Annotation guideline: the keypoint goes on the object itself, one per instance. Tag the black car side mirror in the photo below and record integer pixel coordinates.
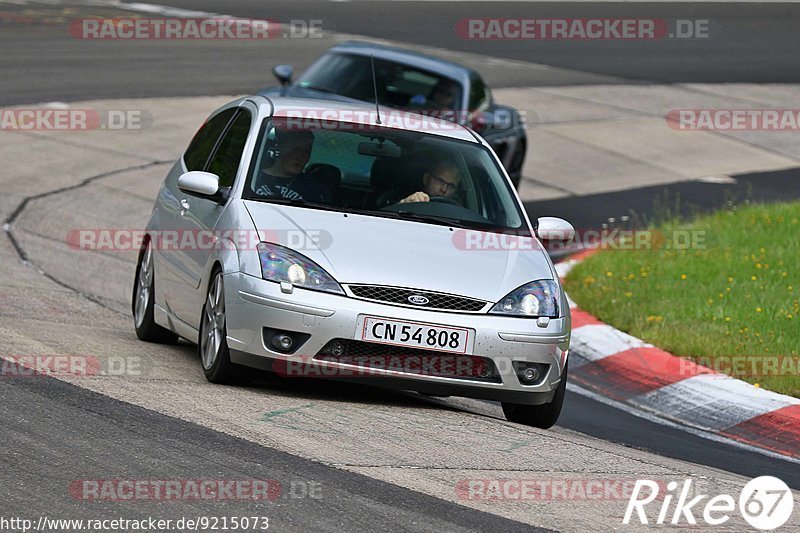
(283, 73)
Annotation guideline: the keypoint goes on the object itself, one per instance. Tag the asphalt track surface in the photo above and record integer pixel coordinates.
(48, 421)
(747, 43)
(53, 431)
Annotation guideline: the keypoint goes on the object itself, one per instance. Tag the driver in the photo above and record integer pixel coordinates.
(285, 177)
(441, 179)
(444, 93)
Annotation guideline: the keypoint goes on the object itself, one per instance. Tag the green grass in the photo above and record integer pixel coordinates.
(734, 294)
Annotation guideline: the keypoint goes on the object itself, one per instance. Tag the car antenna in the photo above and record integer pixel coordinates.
(375, 89)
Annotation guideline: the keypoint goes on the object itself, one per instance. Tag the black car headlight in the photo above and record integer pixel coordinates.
(535, 299)
(282, 264)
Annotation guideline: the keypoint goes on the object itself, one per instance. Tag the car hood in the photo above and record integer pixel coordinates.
(372, 250)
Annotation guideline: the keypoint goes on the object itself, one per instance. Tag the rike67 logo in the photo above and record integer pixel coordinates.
(766, 503)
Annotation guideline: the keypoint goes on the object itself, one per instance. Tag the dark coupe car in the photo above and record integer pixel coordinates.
(411, 81)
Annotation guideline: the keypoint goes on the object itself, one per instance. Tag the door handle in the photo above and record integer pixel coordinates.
(184, 206)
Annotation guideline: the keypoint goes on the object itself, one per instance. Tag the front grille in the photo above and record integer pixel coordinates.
(371, 355)
(399, 296)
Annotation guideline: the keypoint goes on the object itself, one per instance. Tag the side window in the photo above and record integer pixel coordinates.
(204, 140)
(478, 94)
(225, 161)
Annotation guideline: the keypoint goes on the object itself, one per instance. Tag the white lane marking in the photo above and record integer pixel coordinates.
(720, 179)
(712, 401)
(572, 387)
(598, 341)
(165, 10)
(563, 268)
(571, 302)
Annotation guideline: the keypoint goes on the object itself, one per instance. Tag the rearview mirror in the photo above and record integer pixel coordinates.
(554, 229)
(379, 149)
(283, 73)
(199, 183)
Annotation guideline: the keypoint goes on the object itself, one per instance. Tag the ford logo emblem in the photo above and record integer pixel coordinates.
(417, 299)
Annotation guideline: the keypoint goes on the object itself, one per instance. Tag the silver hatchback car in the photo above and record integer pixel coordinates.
(312, 238)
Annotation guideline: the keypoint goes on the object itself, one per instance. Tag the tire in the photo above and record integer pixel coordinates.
(517, 162)
(211, 344)
(540, 416)
(143, 302)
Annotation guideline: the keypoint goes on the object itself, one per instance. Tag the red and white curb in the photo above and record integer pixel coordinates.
(633, 373)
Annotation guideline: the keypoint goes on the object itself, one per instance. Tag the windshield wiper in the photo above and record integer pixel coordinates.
(292, 201)
(446, 221)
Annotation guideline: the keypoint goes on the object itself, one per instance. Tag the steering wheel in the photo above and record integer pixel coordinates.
(444, 200)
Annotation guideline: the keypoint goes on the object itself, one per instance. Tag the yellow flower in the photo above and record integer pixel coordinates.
(609, 274)
(727, 319)
(753, 278)
(655, 318)
(789, 316)
(758, 309)
(730, 279)
(756, 385)
(683, 276)
(758, 265)
(710, 301)
(727, 289)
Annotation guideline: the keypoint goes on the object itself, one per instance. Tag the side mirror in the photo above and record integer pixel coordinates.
(283, 73)
(554, 229)
(199, 183)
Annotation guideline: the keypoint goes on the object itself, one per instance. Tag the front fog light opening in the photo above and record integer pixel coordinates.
(334, 348)
(530, 373)
(284, 342)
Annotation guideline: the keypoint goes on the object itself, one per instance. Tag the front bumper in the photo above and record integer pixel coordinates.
(253, 303)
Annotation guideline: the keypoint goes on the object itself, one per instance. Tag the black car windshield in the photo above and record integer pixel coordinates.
(382, 171)
(398, 85)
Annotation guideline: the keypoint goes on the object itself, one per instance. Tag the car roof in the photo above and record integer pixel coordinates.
(406, 57)
(362, 113)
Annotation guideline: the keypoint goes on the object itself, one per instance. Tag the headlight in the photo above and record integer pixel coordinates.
(282, 264)
(534, 299)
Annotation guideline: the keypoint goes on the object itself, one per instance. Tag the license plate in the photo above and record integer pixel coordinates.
(416, 335)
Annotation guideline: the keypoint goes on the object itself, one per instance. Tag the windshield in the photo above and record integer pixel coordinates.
(382, 172)
(398, 85)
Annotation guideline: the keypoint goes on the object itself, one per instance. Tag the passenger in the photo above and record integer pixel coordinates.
(285, 178)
